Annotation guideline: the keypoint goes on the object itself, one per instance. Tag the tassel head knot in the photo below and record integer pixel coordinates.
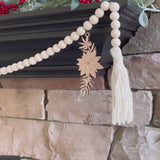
(117, 55)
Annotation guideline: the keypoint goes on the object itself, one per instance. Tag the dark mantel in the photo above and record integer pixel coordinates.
(24, 34)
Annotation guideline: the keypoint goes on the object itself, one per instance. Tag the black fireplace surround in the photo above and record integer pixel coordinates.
(24, 34)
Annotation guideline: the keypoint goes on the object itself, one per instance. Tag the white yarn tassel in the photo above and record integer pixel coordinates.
(122, 101)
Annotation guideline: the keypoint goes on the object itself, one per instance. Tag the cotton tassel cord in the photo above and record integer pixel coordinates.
(122, 101)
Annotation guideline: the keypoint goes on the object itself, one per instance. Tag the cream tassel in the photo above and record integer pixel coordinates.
(122, 101)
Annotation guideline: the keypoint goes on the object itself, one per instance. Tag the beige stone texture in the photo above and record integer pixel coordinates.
(54, 141)
(68, 106)
(22, 103)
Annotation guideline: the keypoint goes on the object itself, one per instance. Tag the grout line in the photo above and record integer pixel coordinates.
(144, 53)
(45, 103)
(154, 94)
(113, 142)
(54, 121)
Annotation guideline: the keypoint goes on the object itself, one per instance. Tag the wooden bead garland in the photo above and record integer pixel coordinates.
(105, 5)
(68, 40)
(87, 25)
(61, 44)
(93, 19)
(80, 31)
(122, 105)
(74, 36)
(99, 13)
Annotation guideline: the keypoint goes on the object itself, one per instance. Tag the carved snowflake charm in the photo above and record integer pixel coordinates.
(88, 65)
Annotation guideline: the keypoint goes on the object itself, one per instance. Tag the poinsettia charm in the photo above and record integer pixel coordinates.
(88, 64)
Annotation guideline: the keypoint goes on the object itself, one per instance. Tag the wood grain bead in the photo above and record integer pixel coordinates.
(61, 44)
(114, 7)
(14, 67)
(115, 24)
(68, 40)
(99, 13)
(114, 16)
(26, 63)
(87, 25)
(3, 71)
(38, 57)
(93, 19)
(50, 51)
(105, 5)
(44, 55)
(115, 33)
(55, 48)
(80, 31)
(9, 69)
(74, 36)
(20, 65)
(32, 61)
(115, 42)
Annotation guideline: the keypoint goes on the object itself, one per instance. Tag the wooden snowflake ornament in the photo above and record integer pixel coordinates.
(88, 64)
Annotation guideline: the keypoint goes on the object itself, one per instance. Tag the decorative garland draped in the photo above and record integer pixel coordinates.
(122, 105)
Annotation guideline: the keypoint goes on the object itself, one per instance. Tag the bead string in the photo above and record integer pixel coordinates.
(74, 36)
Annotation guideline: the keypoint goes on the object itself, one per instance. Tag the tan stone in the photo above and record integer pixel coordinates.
(136, 144)
(147, 39)
(22, 103)
(144, 71)
(49, 83)
(67, 106)
(54, 141)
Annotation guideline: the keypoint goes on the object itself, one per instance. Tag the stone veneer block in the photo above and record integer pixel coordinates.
(22, 103)
(136, 144)
(49, 83)
(54, 141)
(147, 39)
(67, 106)
(144, 71)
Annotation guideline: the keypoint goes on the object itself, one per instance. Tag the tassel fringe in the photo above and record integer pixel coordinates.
(122, 101)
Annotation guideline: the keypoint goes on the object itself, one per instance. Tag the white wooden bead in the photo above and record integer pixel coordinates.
(105, 5)
(114, 7)
(55, 48)
(93, 19)
(114, 16)
(68, 40)
(61, 44)
(38, 57)
(99, 13)
(9, 69)
(115, 33)
(87, 25)
(115, 24)
(50, 51)
(80, 31)
(20, 65)
(44, 55)
(26, 63)
(3, 70)
(32, 61)
(74, 36)
(14, 67)
(115, 42)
